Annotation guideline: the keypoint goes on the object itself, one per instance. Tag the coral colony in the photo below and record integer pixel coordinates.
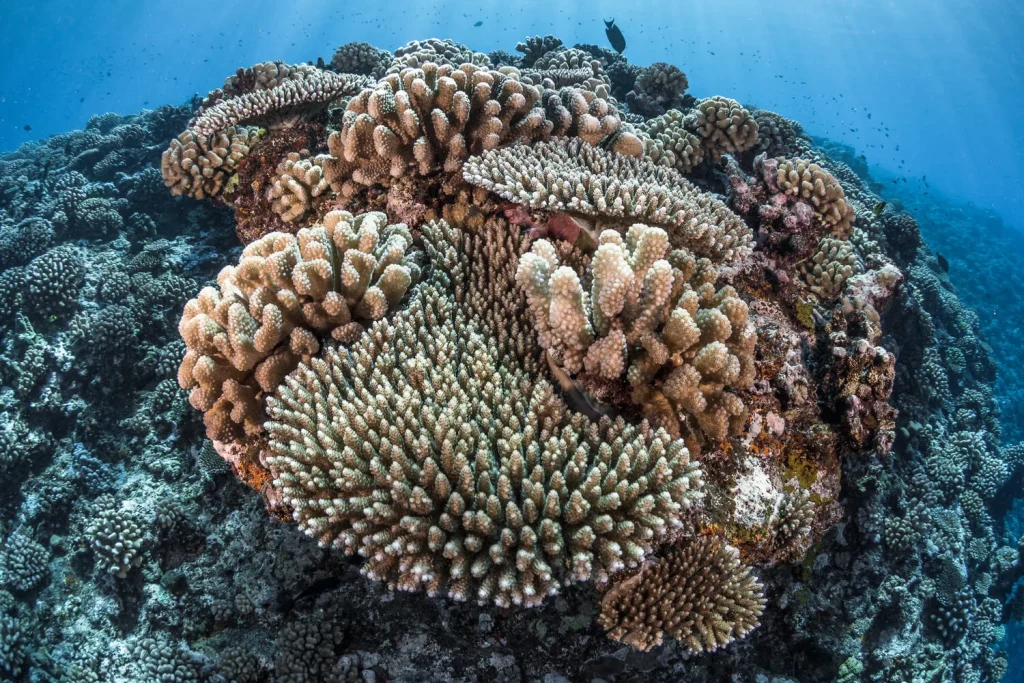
(537, 336)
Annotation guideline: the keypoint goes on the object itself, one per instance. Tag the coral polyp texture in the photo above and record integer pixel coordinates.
(244, 337)
(698, 593)
(278, 101)
(460, 475)
(536, 331)
(653, 317)
(432, 118)
(574, 177)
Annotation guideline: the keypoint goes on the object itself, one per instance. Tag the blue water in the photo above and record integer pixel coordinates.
(924, 89)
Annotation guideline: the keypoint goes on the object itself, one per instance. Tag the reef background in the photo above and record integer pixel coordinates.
(985, 275)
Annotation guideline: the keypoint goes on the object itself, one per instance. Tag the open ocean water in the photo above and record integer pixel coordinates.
(573, 342)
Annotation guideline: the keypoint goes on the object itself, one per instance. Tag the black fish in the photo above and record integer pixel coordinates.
(614, 36)
(478, 24)
(28, 127)
(943, 263)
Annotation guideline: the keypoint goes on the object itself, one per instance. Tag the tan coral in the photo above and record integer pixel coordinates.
(832, 264)
(304, 92)
(574, 177)
(431, 453)
(271, 309)
(200, 166)
(808, 181)
(652, 316)
(668, 143)
(697, 593)
(298, 181)
(431, 119)
(725, 126)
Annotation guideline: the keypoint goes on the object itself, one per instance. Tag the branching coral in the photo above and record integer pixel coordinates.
(305, 91)
(451, 471)
(270, 308)
(533, 48)
(197, 165)
(649, 315)
(810, 182)
(116, 537)
(657, 89)
(575, 177)
(725, 126)
(297, 183)
(668, 143)
(361, 58)
(417, 53)
(832, 264)
(697, 593)
(433, 118)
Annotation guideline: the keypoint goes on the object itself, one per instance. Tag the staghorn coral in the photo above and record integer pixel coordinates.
(667, 142)
(361, 58)
(647, 311)
(285, 290)
(830, 266)
(303, 93)
(697, 593)
(724, 125)
(574, 177)
(200, 166)
(460, 475)
(811, 183)
(434, 117)
(296, 184)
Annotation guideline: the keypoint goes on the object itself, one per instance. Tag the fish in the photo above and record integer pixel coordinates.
(28, 127)
(943, 263)
(614, 36)
(878, 208)
(478, 24)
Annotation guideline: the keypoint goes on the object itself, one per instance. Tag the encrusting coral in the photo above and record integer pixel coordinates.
(698, 592)
(285, 290)
(574, 177)
(460, 475)
(647, 309)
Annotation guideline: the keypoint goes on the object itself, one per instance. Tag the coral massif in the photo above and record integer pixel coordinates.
(538, 336)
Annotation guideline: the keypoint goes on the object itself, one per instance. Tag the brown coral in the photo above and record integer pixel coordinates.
(271, 309)
(697, 593)
(200, 166)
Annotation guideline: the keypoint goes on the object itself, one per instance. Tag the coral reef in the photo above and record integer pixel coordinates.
(511, 344)
(698, 593)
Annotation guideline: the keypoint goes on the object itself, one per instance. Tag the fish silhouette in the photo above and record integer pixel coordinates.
(614, 36)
